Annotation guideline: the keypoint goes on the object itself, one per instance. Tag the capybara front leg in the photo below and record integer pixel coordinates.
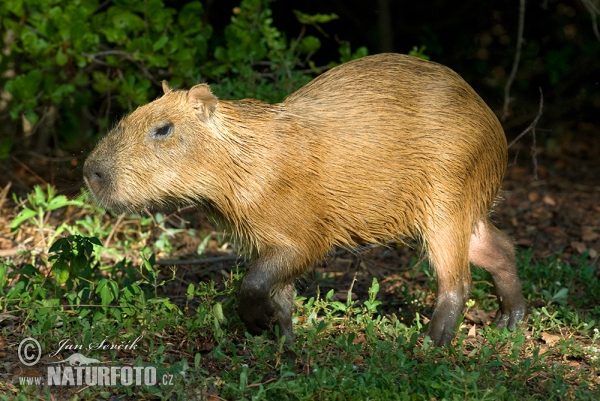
(264, 301)
(494, 251)
(283, 301)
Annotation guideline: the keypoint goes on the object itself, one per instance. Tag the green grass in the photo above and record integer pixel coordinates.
(341, 351)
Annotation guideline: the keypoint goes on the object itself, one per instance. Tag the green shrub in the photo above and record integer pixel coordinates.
(71, 67)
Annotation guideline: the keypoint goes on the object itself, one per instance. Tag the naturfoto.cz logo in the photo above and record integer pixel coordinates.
(78, 370)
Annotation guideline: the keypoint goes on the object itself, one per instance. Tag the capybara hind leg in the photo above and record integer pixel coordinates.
(448, 255)
(494, 251)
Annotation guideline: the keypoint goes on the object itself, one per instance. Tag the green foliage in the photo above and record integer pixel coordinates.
(72, 255)
(85, 60)
(40, 205)
(341, 350)
(419, 52)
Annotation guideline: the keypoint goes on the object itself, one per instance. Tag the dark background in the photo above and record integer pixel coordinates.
(477, 39)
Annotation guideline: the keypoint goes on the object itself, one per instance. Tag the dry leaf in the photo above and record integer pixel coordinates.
(549, 201)
(533, 196)
(550, 339)
(360, 339)
(472, 331)
(580, 246)
(589, 235)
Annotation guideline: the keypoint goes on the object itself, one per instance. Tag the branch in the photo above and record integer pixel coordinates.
(533, 123)
(515, 65)
(95, 57)
(594, 11)
(531, 128)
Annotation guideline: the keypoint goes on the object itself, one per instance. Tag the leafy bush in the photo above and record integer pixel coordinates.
(72, 66)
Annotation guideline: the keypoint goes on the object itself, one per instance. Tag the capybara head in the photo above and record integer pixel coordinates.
(383, 148)
(142, 161)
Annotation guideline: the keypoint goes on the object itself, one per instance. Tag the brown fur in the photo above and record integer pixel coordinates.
(383, 148)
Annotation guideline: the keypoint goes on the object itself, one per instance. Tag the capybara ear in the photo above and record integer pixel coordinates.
(165, 87)
(202, 100)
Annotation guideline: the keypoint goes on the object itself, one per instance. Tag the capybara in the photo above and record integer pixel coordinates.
(384, 148)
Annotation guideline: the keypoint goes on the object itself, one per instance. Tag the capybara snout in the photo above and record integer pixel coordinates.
(383, 148)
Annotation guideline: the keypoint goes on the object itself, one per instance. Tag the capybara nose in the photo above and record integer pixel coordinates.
(96, 174)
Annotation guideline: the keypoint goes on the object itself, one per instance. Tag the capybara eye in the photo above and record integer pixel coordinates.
(163, 131)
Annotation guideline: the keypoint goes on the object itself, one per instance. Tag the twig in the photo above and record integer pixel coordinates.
(263, 383)
(48, 158)
(26, 167)
(531, 128)
(594, 11)
(4, 193)
(112, 232)
(9, 253)
(127, 56)
(515, 65)
(533, 123)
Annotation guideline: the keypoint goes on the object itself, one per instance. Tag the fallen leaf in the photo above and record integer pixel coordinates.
(360, 339)
(206, 346)
(580, 246)
(550, 339)
(524, 242)
(588, 234)
(533, 196)
(472, 331)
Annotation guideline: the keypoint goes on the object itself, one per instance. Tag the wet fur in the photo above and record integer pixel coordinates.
(383, 148)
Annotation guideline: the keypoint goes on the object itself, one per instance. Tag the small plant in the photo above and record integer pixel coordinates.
(40, 205)
(419, 52)
(72, 254)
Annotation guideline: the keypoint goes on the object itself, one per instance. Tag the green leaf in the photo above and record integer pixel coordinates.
(3, 273)
(190, 292)
(57, 203)
(190, 15)
(58, 244)
(39, 196)
(309, 44)
(160, 43)
(419, 52)
(6, 145)
(80, 262)
(61, 57)
(23, 215)
(218, 311)
(61, 271)
(107, 289)
(95, 241)
(308, 19)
